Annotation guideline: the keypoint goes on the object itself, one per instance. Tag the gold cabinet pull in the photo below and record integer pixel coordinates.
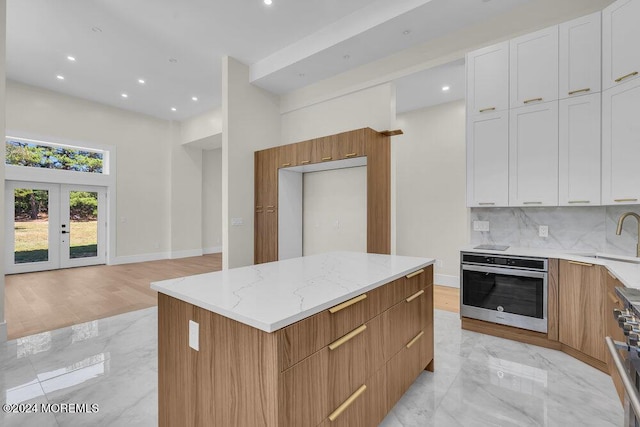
(415, 273)
(619, 79)
(531, 203)
(270, 210)
(613, 298)
(585, 264)
(270, 206)
(351, 155)
(357, 331)
(579, 201)
(416, 338)
(573, 92)
(486, 203)
(258, 207)
(346, 304)
(304, 162)
(625, 200)
(284, 165)
(324, 159)
(487, 109)
(414, 296)
(532, 100)
(335, 414)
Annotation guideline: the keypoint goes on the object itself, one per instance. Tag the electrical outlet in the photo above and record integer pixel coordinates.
(480, 225)
(543, 231)
(194, 335)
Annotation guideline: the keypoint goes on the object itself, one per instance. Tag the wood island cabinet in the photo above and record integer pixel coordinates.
(266, 206)
(344, 366)
(582, 308)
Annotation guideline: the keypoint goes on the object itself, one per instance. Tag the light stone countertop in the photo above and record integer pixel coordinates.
(627, 272)
(274, 295)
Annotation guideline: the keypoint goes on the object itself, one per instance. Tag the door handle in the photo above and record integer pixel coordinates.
(64, 232)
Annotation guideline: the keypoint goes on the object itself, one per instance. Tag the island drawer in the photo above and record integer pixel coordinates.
(409, 284)
(404, 320)
(322, 381)
(365, 407)
(408, 364)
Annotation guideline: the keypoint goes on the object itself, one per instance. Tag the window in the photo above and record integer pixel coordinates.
(37, 154)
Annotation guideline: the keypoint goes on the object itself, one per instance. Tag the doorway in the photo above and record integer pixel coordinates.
(51, 226)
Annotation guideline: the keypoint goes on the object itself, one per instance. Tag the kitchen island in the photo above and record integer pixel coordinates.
(331, 339)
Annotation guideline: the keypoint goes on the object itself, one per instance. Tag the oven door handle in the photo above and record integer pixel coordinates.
(505, 271)
(629, 388)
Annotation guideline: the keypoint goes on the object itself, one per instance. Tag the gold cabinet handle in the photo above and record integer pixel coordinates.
(579, 201)
(487, 109)
(531, 203)
(270, 206)
(346, 304)
(585, 264)
(415, 273)
(619, 79)
(258, 207)
(532, 100)
(573, 92)
(324, 159)
(414, 296)
(613, 298)
(357, 331)
(413, 341)
(486, 203)
(304, 162)
(335, 414)
(270, 210)
(284, 165)
(625, 200)
(351, 155)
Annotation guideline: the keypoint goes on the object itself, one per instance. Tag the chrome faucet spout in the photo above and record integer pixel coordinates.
(619, 229)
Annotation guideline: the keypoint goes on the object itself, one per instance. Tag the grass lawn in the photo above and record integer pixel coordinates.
(32, 240)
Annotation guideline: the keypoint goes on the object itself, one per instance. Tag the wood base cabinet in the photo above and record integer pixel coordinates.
(345, 366)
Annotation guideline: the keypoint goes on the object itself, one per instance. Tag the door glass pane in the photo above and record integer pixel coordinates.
(83, 224)
(31, 225)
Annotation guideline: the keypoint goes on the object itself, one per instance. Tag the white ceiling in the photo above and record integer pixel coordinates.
(280, 42)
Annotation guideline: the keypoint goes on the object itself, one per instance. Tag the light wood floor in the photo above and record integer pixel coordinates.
(47, 300)
(39, 302)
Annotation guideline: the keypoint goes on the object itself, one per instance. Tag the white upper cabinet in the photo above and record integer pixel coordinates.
(621, 144)
(488, 79)
(620, 42)
(533, 155)
(579, 153)
(580, 56)
(534, 68)
(488, 159)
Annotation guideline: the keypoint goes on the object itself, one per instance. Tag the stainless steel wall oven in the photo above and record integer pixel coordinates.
(509, 290)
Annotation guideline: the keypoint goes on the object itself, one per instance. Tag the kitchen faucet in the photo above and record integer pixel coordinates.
(619, 229)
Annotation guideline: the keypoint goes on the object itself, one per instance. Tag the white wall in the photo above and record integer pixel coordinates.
(335, 211)
(143, 150)
(212, 201)
(201, 126)
(3, 32)
(432, 218)
(251, 122)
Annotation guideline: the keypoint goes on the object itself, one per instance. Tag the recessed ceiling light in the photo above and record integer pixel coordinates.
(406, 32)
(59, 77)
(96, 29)
(71, 58)
(173, 60)
(445, 88)
(174, 109)
(141, 81)
(268, 2)
(194, 98)
(124, 95)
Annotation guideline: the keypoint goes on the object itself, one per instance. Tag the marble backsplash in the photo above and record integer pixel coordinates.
(580, 229)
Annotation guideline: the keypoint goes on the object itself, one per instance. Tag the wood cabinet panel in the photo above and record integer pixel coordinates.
(612, 301)
(352, 145)
(581, 309)
(406, 319)
(378, 194)
(326, 148)
(305, 153)
(266, 206)
(406, 286)
(287, 156)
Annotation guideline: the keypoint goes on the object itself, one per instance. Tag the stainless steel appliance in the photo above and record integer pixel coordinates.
(509, 290)
(626, 355)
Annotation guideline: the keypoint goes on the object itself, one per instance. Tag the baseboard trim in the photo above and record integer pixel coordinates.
(3, 332)
(446, 280)
(130, 259)
(186, 254)
(212, 250)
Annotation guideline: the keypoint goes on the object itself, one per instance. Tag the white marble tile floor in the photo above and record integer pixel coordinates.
(479, 380)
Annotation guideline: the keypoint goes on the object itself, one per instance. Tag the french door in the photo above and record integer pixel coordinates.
(52, 226)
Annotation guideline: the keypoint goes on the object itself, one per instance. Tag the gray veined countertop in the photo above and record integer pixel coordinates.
(274, 295)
